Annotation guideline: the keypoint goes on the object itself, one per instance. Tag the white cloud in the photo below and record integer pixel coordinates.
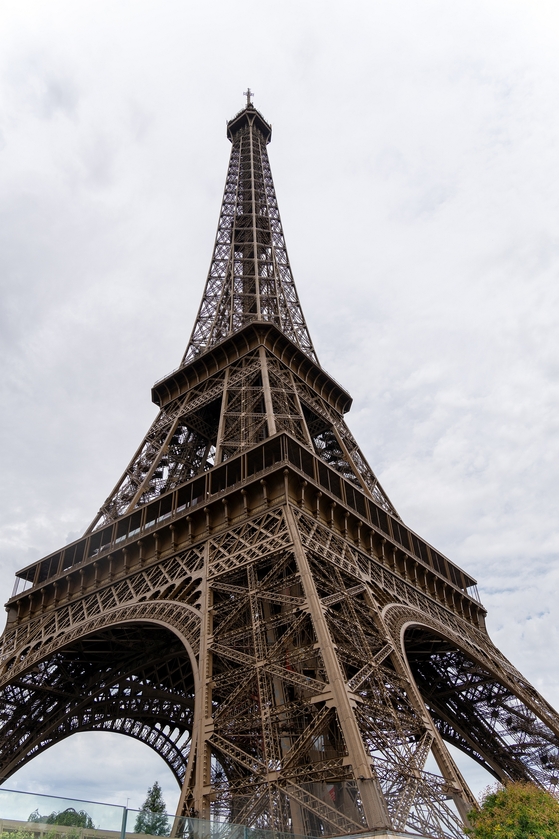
(94, 766)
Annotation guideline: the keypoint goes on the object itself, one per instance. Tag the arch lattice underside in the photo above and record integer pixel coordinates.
(480, 704)
(134, 679)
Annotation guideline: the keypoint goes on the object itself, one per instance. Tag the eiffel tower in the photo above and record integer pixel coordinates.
(249, 603)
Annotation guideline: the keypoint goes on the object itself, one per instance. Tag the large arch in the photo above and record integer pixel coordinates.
(133, 672)
(476, 699)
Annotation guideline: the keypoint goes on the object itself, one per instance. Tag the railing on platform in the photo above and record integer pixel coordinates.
(27, 815)
(278, 451)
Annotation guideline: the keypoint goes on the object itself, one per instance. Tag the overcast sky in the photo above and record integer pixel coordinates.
(415, 159)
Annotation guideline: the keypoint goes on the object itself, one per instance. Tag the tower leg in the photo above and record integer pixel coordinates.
(372, 798)
(201, 774)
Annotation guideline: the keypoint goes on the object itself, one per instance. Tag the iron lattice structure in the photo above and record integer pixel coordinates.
(249, 603)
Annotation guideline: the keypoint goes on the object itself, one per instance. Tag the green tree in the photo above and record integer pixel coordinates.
(152, 818)
(517, 811)
(68, 817)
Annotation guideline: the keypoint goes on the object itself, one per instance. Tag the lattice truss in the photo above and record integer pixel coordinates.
(290, 610)
(227, 415)
(247, 419)
(335, 444)
(279, 755)
(179, 445)
(480, 716)
(128, 679)
(269, 678)
(88, 667)
(250, 277)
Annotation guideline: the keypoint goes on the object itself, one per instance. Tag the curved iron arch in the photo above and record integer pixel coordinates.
(134, 677)
(477, 705)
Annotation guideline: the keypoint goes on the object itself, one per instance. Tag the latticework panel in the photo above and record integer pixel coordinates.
(310, 719)
(180, 444)
(250, 277)
(333, 441)
(286, 406)
(396, 733)
(244, 420)
(128, 679)
(483, 717)
(275, 713)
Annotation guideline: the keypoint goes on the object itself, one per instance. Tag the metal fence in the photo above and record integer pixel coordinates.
(28, 815)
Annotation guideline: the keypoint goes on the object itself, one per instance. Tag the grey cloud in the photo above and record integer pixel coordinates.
(41, 87)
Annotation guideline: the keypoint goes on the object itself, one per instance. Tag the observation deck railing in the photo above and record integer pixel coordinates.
(27, 815)
(279, 450)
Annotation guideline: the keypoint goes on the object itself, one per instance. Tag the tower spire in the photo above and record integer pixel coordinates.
(251, 344)
(250, 276)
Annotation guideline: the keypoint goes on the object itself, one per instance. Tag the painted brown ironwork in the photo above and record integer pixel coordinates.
(248, 602)
(250, 277)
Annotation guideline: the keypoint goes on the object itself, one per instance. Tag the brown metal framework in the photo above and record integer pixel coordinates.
(248, 602)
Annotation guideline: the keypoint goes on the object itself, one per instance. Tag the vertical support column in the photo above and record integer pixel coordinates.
(222, 415)
(187, 803)
(196, 789)
(254, 235)
(270, 417)
(306, 431)
(123, 823)
(372, 798)
(202, 790)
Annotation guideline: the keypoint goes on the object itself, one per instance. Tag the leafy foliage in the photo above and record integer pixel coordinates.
(16, 834)
(151, 818)
(68, 817)
(517, 811)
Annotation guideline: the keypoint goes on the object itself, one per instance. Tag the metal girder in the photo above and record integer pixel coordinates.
(481, 716)
(250, 277)
(306, 687)
(120, 679)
